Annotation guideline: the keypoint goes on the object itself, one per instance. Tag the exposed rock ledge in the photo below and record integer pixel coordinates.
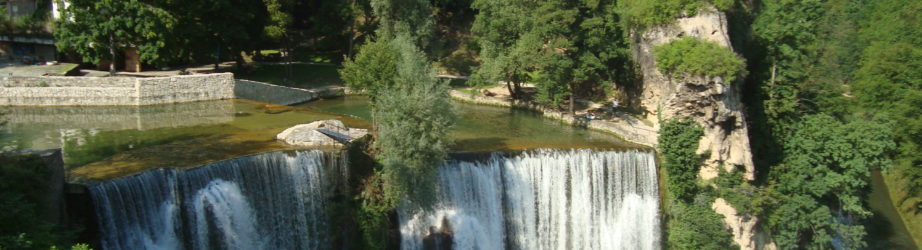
(321, 133)
(742, 224)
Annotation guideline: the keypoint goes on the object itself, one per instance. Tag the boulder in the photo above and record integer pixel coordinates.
(321, 133)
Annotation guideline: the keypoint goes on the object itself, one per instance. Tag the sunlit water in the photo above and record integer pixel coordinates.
(489, 128)
(269, 201)
(544, 199)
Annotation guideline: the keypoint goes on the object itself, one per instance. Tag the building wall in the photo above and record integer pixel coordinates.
(93, 91)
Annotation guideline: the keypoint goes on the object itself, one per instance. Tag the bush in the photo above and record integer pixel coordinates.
(696, 226)
(678, 142)
(692, 57)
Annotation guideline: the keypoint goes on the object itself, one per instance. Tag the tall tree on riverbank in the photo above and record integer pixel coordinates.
(99, 30)
(410, 18)
(277, 29)
(414, 117)
(563, 47)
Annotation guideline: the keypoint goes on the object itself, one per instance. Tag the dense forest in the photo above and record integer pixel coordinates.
(832, 88)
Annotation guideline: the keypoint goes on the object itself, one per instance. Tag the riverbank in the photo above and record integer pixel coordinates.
(896, 189)
(622, 125)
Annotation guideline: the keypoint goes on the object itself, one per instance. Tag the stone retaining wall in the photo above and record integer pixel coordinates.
(281, 95)
(93, 91)
(626, 127)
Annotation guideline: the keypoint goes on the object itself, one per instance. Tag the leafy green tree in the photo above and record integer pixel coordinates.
(411, 18)
(890, 79)
(696, 226)
(278, 27)
(414, 117)
(823, 180)
(373, 70)
(101, 29)
(563, 47)
(693, 57)
(678, 142)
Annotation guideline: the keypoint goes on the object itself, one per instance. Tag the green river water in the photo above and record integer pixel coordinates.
(108, 142)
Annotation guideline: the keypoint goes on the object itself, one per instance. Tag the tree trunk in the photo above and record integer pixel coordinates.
(112, 54)
(287, 59)
(572, 99)
(511, 91)
(352, 33)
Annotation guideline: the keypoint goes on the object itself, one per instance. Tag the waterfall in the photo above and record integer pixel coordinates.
(268, 201)
(544, 199)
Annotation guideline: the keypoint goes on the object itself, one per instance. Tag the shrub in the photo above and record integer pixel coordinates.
(690, 57)
(678, 142)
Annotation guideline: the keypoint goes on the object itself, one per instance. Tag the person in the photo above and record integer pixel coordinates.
(615, 103)
(590, 116)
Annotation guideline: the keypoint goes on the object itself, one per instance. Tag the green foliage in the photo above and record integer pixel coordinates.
(678, 142)
(279, 18)
(696, 226)
(824, 178)
(97, 29)
(413, 117)
(373, 70)
(692, 57)
(29, 25)
(23, 186)
(890, 79)
(648, 13)
(411, 18)
(743, 196)
(563, 47)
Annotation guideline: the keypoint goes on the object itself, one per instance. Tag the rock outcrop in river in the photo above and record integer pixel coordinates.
(321, 133)
(711, 102)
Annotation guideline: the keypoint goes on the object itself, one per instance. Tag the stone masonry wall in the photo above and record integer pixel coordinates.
(102, 91)
(281, 95)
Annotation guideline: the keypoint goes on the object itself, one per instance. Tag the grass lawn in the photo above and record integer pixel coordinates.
(303, 76)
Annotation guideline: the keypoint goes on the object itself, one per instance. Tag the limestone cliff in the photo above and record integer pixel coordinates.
(711, 102)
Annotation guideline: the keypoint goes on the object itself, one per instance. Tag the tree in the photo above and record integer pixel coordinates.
(279, 21)
(414, 117)
(696, 226)
(823, 180)
(500, 27)
(99, 29)
(890, 79)
(410, 18)
(373, 70)
(578, 46)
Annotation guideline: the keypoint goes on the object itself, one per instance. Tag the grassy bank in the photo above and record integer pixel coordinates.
(896, 187)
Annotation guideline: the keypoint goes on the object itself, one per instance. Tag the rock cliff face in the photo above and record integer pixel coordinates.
(711, 102)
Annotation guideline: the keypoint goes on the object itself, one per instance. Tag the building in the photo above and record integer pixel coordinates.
(32, 42)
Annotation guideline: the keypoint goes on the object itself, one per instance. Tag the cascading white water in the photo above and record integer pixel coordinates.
(268, 201)
(545, 199)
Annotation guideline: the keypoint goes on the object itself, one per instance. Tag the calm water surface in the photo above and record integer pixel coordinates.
(105, 142)
(489, 128)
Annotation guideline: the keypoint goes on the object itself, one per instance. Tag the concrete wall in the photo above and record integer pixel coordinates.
(92, 91)
(281, 95)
